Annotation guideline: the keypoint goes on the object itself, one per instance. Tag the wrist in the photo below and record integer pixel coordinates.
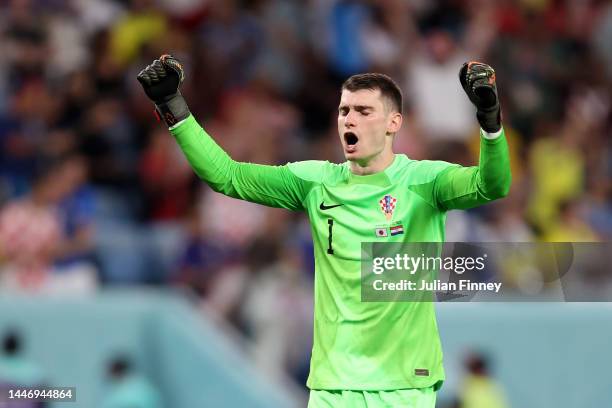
(490, 119)
(172, 109)
(491, 136)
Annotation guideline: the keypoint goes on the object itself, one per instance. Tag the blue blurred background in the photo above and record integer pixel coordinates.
(119, 270)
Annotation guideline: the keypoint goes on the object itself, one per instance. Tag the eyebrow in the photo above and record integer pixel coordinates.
(356, 107)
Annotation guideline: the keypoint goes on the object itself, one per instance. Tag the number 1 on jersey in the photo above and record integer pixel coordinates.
(330, 224)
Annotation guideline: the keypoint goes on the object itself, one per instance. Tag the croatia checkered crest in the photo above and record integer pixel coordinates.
(387, 206)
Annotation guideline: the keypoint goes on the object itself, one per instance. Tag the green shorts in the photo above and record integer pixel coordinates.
(407, 398)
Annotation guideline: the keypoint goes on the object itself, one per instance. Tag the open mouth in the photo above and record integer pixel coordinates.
(350, 138)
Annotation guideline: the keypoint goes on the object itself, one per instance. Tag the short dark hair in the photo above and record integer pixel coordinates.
(373, 80)
(11, 343)
(119, 366)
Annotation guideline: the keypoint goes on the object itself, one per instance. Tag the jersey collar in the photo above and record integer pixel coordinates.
(382, 178)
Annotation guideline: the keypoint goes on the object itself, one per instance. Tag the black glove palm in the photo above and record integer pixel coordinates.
(478, 82)
(161, 81)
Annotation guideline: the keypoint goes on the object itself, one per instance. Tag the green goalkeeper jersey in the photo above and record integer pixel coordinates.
(360, 345)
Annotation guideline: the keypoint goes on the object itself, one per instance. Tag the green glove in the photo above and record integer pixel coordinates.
(161, 81)
(478, 82)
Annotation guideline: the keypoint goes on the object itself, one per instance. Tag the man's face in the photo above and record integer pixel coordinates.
(365, 124)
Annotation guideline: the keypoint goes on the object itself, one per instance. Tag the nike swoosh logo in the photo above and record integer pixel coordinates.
(327, 207)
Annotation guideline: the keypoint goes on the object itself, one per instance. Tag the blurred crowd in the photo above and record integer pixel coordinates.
(95, 192)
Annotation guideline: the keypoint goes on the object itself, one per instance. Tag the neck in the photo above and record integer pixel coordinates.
(374, 165)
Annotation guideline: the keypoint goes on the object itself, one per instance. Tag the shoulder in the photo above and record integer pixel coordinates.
(420, 171)
(317, 171)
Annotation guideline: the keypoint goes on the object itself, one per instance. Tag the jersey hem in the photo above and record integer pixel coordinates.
(387, 386)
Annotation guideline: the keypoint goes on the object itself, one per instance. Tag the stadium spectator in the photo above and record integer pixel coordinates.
(479, 389)
(128, 388)
(277, 309)
(16, 370)
(33, 238)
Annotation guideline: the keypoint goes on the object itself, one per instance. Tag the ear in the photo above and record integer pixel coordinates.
(395, 122)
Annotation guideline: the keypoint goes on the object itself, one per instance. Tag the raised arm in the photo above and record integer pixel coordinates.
(459, 187)
(274, 186)
(464, 187)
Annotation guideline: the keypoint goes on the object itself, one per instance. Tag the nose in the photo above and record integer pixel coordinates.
(349, 120)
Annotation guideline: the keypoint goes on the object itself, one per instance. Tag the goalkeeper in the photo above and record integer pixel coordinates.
(365, 354)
